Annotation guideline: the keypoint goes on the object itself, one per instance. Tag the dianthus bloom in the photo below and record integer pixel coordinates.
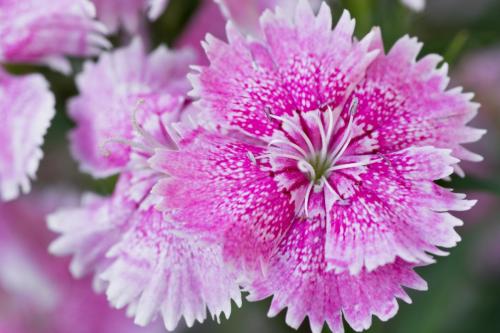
(322, 175)
(139, 257)
(37, 294)
(35, 31)
(116, 13)
(26, 109)
(109, 92)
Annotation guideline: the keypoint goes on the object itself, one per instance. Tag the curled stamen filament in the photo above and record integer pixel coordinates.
(124, 142)
(306, 167)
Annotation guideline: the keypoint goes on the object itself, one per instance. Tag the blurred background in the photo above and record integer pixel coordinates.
(464, 288)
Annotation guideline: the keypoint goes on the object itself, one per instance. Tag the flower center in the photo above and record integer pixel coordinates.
(314, 143)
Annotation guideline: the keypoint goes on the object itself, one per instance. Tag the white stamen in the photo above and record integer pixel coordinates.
(352, 165)
(124, 142)
(274, 154)
(322, 134)
(288, 143)
(150, 139)
(330, 188)
(306, 198)
(332, 121)
(298, 129)
(346, 139)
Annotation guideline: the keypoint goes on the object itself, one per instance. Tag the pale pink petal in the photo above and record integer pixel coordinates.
(298, 278)
(217, 190)
(405, 215)
(26, 109)
(37, 292)
(129, 13)
(90, 230)
(158, 271)
(36, 31)
(111, 93)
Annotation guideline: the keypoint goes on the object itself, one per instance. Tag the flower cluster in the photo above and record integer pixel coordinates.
(299, 163)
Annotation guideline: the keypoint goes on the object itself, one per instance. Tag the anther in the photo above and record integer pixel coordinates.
(353, 108)
(251, 157)
(268, 112)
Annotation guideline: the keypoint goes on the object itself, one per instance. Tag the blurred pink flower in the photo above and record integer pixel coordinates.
(116, 13)
(212, 15)
(480, 71)
(37, 294)
(245, 14)
(26, 109)
(139, 257)
(109, 94)
(416, 5)
(324, 167)
(35, 31)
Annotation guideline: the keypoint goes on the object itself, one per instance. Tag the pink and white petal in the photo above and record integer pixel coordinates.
(393, 210)
(305, 68)
(88, 232)
(163, 272)
(404, 102)
(216, 189)
(110, 93)
(44, 32)
(115, 13)
(27, 108)
(298, 278)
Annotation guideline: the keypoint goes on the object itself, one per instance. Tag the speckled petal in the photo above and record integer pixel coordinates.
(301, 65)
(160, 271)
(393, 209)
(36, 31)
(298, 278)
(404, 102)
(217, 190)
(111, 90)
(26, 109)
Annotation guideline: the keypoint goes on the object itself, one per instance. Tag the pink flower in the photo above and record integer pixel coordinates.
(115, 13)
(326, 136)
(109, 92)
(139, 257)
(37, 294)
(245, 14)
(27, 107)
(415, 5)
(34, 31)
